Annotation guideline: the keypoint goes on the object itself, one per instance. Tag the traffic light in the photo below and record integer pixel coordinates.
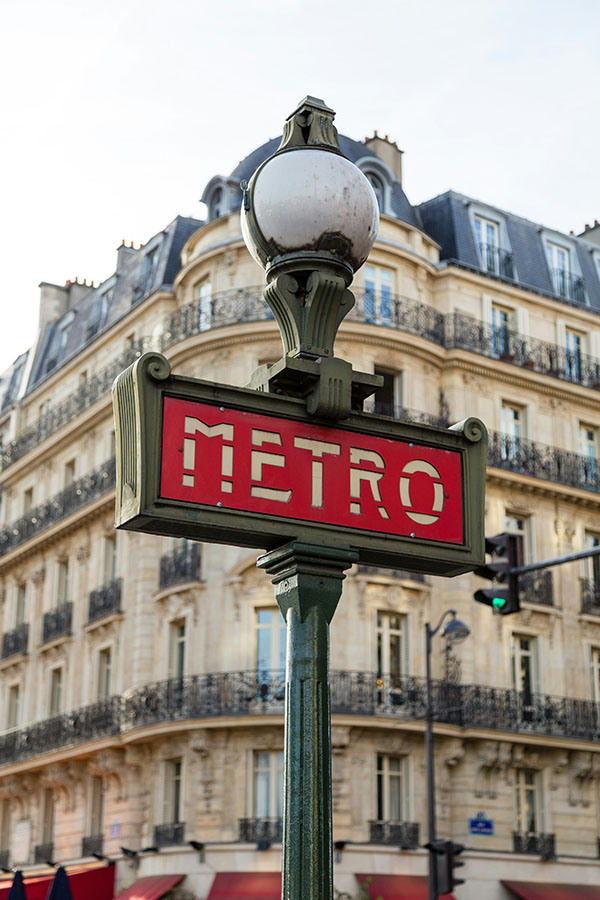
(505, 552)
(444, 855)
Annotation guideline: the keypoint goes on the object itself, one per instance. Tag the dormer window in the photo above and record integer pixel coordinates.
(565, 281)
(216, 205)
(377, 185)
(493, 257)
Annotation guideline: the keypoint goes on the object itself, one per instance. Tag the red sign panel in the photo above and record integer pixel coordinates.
(264, 464)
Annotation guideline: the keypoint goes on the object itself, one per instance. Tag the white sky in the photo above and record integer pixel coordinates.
(116, 114)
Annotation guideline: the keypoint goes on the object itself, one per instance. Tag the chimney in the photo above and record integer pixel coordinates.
(591, 233)
(123, 254)
(388, 152)
(56, 300)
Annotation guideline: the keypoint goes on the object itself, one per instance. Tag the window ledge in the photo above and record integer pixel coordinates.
(103, 620)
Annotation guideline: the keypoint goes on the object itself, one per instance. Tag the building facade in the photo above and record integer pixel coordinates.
(141, 678)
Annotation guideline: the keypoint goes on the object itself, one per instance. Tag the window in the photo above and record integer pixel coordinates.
(486, 236)
(4, 824)
(203, 303)
(573, 348)
(270, 642)
(588, 449)
(64, 335)
(96, 805)
(378, 294)
(48, 816)
(527, 802)
(267, 799)
(520, 525)
(511, 427)
(62, 594)
(150, 264)
(391, 788)
(391, 639)
(104, 673)
(177, 649)
(559, 264)
(216, 204)
(172, 793)
(500, 324)
(592, 563)
(56, 689)
(524, 666)
(69, 473)
(595, 673)
(110, 558)
(377, 185)
(27, 501)
(13, 706)
(20, 604)
(388, 399)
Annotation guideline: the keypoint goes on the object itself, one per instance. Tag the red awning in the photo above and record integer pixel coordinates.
(399, 887)
(536, 890)
(246, 886)
(87, 884)
(152, 887)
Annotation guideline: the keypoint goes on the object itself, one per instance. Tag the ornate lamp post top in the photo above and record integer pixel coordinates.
(310, 218)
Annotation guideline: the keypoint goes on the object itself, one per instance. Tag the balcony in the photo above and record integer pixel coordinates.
(542, 461)
(253, 830)
(590, 596)
(169, 834)
(568, 285)
(43, 852)
(15, 641)
(57, 622)
(77, 495)
(536, 844)
(252, 693)
(536, 587)
(396, 834)
(180, 567)
(105, 600)
(496, 260)
(91, 843)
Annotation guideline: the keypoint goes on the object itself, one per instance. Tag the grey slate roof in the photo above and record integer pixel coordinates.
(446, 219)
(353, 150)
(134, 280)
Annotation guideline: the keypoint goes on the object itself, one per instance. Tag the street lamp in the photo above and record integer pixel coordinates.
(310, 217)
(454, 631)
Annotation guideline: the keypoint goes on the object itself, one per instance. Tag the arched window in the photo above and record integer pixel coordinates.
(215, 207)
(377, 185)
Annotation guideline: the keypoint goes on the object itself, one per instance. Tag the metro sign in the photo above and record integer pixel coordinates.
(231, 465)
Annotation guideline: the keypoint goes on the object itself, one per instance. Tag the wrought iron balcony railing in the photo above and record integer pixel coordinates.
(180, 566)
(15, 641)
(536, 587)
(105, 600)
(92, 843)
(397, 834)
(57, 622)
(590, 596)
(67, 501)
(542, 461)
(262, 694)
(538, 844)
(168, 834)
(496, 260)
(253, 830)
(43, 852)
(568, 285)
(233, 307)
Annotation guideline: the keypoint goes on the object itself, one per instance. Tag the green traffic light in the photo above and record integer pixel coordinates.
(498, 602)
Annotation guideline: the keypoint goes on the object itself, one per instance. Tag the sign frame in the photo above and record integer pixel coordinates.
(138, 395)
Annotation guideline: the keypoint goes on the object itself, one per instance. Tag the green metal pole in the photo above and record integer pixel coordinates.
(308, 584)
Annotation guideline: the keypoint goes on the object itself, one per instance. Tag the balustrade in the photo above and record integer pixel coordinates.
(105, 600)
(15, 641)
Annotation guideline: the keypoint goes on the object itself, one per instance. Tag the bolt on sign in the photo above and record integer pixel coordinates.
(232, 465)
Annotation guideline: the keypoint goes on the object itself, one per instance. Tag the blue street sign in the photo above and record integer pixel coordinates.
(481, 825)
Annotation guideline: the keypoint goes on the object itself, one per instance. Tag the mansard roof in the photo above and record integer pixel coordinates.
(448, 219)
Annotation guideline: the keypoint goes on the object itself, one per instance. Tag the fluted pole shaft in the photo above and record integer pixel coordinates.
(308, 584)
